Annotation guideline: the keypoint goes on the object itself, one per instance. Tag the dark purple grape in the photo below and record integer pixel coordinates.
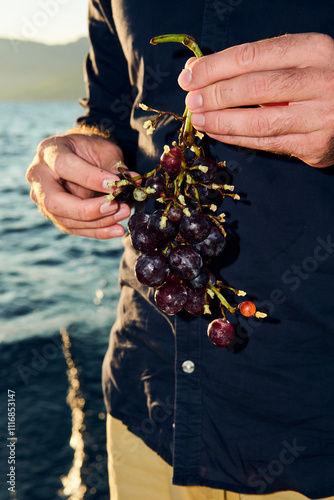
(211, 276)
(195, 302)
(221, 332)
(171, 277)
(151, 268)
(195, 228)
(124, 194)
(166, 233)
(174, 214)
(206, 196)
(213, 245)
(157, 183)
(171, 297)
(171, 162)
(199, 282)
(137, 219)
(204, 177)
(203, 193)
(142, 239)
(185, 262)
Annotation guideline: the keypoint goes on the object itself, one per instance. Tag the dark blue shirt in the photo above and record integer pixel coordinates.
(257, 417)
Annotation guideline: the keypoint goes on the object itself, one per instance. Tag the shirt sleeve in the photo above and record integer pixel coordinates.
(107, 79)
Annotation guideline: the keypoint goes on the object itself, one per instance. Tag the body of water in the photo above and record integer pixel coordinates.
(58, 299)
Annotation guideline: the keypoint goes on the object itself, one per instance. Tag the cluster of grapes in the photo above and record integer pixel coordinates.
(178, 243)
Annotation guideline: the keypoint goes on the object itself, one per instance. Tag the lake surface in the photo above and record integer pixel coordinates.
(58, 298)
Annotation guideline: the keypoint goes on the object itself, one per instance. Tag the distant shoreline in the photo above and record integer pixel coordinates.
(32, 71)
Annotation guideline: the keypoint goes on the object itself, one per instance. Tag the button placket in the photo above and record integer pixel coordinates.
(188, 410)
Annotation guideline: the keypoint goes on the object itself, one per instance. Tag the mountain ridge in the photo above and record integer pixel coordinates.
(40, 72)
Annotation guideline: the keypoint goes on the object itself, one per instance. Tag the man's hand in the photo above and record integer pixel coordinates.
(291, 78)
(68, 177)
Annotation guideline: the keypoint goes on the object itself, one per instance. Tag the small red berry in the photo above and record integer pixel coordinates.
(221, 332)
(247, 308)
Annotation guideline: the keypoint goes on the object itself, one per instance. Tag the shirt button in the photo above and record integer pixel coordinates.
(188, 366)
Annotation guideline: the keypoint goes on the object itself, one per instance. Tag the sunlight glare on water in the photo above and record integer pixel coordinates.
(72, 482)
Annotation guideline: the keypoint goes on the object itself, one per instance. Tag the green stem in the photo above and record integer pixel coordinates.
(181, 179)
(188, 128)
(191, 43)
(187, 40)
(221, 298)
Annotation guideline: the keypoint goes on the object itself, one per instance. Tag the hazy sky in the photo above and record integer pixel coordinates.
(46, 21)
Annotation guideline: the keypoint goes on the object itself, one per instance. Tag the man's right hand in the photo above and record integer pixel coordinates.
(68, 179)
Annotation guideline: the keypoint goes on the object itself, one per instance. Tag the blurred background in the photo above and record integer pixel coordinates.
(58, 293)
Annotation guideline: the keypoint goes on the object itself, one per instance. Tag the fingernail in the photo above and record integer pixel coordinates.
(108, 207)
(194, 101)
(106, 182)
(116, 231)
(198, 120)
(122, 214)
(185, 77)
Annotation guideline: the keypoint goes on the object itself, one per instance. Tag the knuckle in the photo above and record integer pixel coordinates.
(258, 87)
(33, 174)
(218, 96)
(30, 174)
(280, 144)
(219, 125)
(33, 195)
(246, 54)
(84, 213)
(291, 81)
(207, 69)
(288, 144)
(261, 125)
(98, 234)
(323, 42)
(60, 163)
(225, 126)
(43, 145)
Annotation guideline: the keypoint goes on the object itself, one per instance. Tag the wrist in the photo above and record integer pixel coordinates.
(91, 130)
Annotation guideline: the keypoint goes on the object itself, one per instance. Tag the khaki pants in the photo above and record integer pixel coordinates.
(137, 473)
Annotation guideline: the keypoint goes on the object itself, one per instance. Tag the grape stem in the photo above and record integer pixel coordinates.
(222, 299)
(187, 40)
(187, 131)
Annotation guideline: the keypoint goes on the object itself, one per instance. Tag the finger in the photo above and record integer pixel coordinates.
(308, 147)
(259, 122)
(66, 165)
(59, 203)
(96, 150)
(257, 88)
(76, 190)
(281, 145)
(102, 222)
(287, 51)
(104, 233)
